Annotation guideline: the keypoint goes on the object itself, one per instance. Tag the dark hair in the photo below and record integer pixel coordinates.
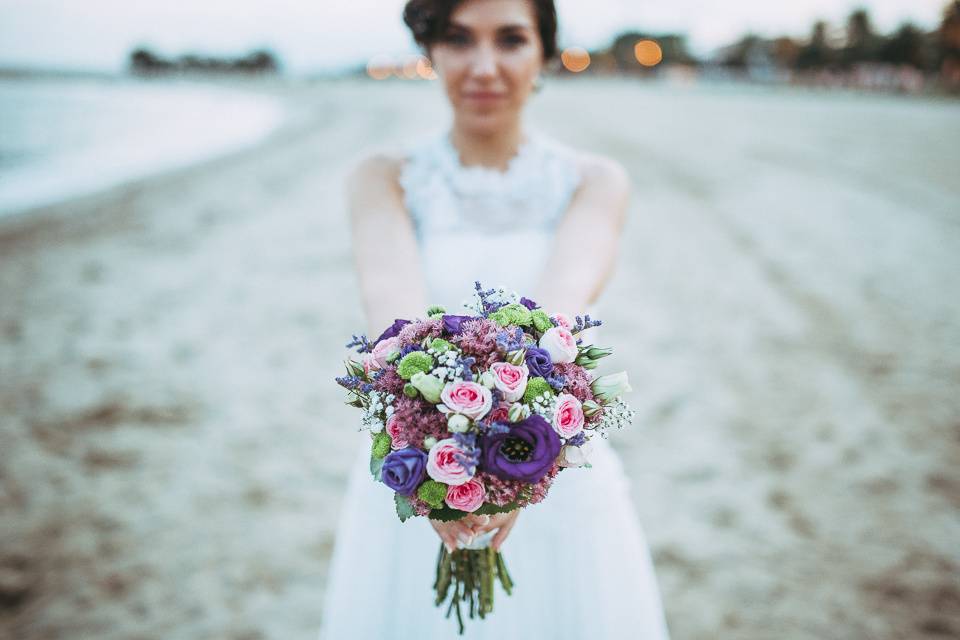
(429, 19)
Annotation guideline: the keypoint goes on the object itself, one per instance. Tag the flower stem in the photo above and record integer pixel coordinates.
(472, 574)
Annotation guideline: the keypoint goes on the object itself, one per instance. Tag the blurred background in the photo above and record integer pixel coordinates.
(176, 288)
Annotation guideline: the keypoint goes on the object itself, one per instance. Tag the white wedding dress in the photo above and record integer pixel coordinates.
(579, 560)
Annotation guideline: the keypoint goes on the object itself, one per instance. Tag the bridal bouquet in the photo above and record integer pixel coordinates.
(477, 414)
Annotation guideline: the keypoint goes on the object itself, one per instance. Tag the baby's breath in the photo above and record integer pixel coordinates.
(616, 415)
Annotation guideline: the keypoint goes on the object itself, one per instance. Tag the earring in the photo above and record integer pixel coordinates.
(538, 84)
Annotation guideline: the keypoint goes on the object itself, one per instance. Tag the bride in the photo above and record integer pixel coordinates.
(493, 200)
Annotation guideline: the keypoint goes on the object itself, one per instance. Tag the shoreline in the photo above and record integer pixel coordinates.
(65, 175)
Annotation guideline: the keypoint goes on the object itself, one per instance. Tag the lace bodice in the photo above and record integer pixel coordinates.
(478, 223)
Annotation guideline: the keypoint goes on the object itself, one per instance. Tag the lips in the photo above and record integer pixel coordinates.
(484, 95)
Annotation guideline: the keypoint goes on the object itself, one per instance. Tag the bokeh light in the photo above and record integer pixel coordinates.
(648, 53)
(380, 67)
(425, 69)
(575, 59)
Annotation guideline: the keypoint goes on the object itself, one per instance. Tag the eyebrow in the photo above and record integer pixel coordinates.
(507, 27)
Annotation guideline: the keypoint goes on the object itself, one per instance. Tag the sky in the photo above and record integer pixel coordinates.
(316, 35)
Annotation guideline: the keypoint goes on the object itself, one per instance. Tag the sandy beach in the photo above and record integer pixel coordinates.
(174, 449)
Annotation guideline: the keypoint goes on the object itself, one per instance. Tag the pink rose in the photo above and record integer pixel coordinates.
(560, 344)
(466, 497)
(467, 398)
(382, 350)
(393, 430)
(368, 364)
(563, 320)
(568, 418)
(510, 379)
(442, 464)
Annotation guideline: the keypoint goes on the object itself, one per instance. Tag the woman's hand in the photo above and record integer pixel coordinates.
(473, 526)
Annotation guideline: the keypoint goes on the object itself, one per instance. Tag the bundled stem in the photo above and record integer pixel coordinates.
(471, 573)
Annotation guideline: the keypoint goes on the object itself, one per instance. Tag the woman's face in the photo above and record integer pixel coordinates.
(488, 60)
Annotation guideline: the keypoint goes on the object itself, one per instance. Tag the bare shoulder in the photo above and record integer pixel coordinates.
(376, 172)
(603, 173)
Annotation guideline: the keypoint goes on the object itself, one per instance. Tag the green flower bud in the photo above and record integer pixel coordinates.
(354, 368)
(608, 388)
(429, 386)
(595, 353)
(536, 387)
(433, 493)
(457, 423)
(486, 379)
(590, 408)
(440, 345)
(541, 321)
(413, 362)
(381, 445)
(518, 412)
(517, 357)
(435, 311)
(428, 442)
(410, 391)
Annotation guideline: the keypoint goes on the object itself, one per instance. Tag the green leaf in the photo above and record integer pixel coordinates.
(446, 514)
(488, 508)
(404, 508)
(376, 464)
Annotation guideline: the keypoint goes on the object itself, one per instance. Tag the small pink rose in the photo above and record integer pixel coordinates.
(442, 463)
(510, 379)
(568, 418)
(466, 497)
(467, 398)
(382, 351)
(563, 320)
(368, 364)
(396, 438)
(560, 344)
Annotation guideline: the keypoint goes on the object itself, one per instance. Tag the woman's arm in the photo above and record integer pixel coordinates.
(384, 246)
(575, 274)
(587, 241)
(388, 266)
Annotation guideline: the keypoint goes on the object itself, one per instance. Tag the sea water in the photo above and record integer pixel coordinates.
(65, 137)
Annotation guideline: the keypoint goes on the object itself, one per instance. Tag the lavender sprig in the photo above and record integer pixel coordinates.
(353, 383)
(487, 306)
(471, 456)
(584, 323)
(464, 365)
(556, 380)
(361, 342)
(507, 342)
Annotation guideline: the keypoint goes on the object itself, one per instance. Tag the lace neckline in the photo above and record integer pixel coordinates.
(481, 179)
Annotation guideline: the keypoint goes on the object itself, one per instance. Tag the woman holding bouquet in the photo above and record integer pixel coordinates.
(493, 200)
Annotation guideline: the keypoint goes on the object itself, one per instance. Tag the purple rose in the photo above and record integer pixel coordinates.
(392, 330)
(529, 304)
(404, 469)
(539, 362)
(452, 324)
(526, 452)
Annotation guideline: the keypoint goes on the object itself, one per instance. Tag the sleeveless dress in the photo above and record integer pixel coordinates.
(579, 560)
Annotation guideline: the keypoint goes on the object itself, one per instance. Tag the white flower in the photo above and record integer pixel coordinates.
(560, 344)
(571, 456)
(608, 388)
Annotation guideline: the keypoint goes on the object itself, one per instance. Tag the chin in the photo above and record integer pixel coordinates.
(485, 123)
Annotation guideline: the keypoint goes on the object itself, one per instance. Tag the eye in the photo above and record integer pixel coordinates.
(513, 40)
(456, 39)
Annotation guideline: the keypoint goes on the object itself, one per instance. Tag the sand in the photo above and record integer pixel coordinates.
(174, 450)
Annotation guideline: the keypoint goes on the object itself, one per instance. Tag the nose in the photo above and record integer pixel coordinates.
(484, 62)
